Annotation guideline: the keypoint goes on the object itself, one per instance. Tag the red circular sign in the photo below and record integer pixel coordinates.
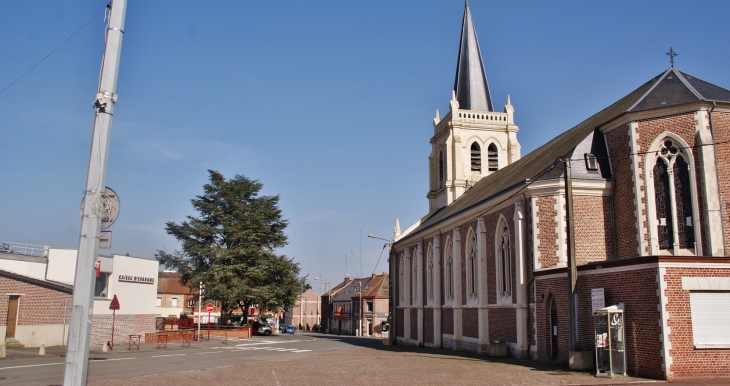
(209, 307)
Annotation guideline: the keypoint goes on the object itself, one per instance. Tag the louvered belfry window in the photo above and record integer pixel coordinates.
(492, 158)
(476, 158)
(672, 175)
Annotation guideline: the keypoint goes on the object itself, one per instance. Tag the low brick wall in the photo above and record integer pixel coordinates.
(176, 336)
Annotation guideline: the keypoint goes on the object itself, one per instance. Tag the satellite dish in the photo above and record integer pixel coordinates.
(106, 207)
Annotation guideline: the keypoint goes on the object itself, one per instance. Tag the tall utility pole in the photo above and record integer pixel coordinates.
(361, 315)
(92, 212)
(572, 270)
(201, 288)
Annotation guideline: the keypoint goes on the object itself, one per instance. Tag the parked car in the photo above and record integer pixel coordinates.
(264, 330)
(287, 329)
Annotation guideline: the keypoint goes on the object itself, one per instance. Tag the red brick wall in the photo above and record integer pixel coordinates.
(38, 305)
(547, 236)
(447, 321)
(414, 324)
(399, 326)
(592, 224)
(636, 289)
(618, 143)
(470, 322)
(502, 323)
(428, 325)
(721, 122)
(686, 360)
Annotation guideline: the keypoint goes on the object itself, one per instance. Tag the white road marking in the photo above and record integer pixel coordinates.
(301, 350)
(211, 352)
(42, 364)
(167, 355)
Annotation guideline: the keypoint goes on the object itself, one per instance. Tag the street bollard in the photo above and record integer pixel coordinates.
(104, 347)
(2, 350)
(42, 350)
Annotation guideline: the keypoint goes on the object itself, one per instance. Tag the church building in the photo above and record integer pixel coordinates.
(487, 269)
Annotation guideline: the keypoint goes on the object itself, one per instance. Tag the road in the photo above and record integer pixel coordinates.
(122, 363)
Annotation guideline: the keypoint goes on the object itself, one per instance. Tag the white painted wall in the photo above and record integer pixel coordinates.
(25, 268)
(62, 265)
(134, 298)
(35, 335)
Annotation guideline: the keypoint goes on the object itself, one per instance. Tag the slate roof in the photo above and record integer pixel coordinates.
(470, 85)
(676, 89)
(348, 292)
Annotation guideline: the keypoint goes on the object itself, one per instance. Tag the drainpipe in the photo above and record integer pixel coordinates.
(441, 286)
(717, 175)
(527, 272)
(613, 220)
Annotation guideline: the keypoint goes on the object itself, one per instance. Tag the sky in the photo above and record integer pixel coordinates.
(328, 103)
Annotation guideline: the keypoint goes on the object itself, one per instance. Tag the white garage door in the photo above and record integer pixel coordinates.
(710, 319)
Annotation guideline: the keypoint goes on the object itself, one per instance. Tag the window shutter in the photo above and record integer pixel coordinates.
(710, 319)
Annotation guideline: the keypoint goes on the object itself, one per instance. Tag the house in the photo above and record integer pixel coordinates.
(305, 312)
(489, 267)
(375, 304)
(35, 277)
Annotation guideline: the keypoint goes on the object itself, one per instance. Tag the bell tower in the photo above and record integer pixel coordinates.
(472, 141)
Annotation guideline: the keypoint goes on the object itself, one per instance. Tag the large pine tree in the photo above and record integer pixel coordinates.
(230, 247)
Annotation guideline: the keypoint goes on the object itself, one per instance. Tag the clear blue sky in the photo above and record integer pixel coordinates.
(327, 103)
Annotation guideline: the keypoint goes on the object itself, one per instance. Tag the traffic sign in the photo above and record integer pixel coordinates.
(209, 307)
(114, 305)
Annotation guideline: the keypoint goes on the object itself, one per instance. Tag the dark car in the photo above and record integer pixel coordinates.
(287, 329)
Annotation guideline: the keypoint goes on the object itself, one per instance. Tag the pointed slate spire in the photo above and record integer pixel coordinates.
(470, 85)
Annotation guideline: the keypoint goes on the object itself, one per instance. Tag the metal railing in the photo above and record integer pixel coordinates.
(22, 249)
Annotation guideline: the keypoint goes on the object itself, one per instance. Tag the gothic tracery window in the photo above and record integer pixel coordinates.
(449, 274)
(441, 166)
(504, 277)
(472, 266)
(429, 273)
(673, 198)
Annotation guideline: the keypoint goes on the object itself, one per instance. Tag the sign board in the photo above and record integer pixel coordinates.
(114, 305)
(598, 299)
(105, 239)
(209, 307)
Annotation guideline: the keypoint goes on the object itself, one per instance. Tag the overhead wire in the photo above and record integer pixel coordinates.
(53, 50)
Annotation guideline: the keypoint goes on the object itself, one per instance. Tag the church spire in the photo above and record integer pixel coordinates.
(470, 85)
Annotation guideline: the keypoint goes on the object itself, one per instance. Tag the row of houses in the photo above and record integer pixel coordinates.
(355, 305)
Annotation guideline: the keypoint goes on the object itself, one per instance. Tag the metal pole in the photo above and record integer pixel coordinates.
(200, 305)
(77, 352)
(361, 315)
(114, 319)
(65, 312)
(572, 270)
(209, 326)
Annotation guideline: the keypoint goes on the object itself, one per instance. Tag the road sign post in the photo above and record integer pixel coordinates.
(114, 306)
(209, 307)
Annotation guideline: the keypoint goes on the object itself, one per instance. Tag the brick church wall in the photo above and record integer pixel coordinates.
(470, 322)
(502, 322)
(428, 325)
(447, 321)
(400, 325)
(592, 224)
(414, 324)
(721, 122)
(547, 237)
(618, 143)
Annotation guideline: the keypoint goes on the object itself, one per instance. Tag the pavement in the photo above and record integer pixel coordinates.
(343, 360)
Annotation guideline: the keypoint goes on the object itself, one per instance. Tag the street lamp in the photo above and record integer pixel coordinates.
(329, 299)
(391, 293)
